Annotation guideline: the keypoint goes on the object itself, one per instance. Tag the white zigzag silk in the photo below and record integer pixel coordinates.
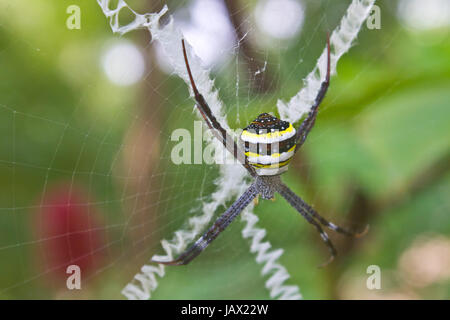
(231, 181)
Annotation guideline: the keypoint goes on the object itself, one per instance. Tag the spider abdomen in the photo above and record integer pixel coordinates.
(269, 144)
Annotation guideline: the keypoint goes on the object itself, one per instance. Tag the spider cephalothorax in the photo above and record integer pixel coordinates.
(269, 145)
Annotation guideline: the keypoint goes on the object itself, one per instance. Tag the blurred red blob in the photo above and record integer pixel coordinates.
(68, 233)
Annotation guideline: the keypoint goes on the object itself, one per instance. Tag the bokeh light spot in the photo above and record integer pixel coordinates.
(280, 19)
(123, 63)
(424, 15)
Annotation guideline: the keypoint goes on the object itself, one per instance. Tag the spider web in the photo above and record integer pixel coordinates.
(175, 203)
(170, 37)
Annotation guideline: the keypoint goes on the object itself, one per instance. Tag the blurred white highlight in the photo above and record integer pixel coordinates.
(424, 15)
(123, 63)
(208, 29)
(280, 19)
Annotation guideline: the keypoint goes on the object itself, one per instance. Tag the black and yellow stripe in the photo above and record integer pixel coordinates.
(272, 165)
(269, 144)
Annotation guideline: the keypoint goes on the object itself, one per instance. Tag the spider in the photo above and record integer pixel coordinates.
(269, 145)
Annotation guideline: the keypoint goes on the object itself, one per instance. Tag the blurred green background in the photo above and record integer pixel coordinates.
(86, 175)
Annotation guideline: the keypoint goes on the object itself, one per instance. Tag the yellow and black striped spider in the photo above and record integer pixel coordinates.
(269, 145)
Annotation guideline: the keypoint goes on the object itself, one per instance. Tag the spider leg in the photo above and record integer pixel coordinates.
(306, 207)
(307, 124)
(221, 223)
(293, 200)
(219, 132)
